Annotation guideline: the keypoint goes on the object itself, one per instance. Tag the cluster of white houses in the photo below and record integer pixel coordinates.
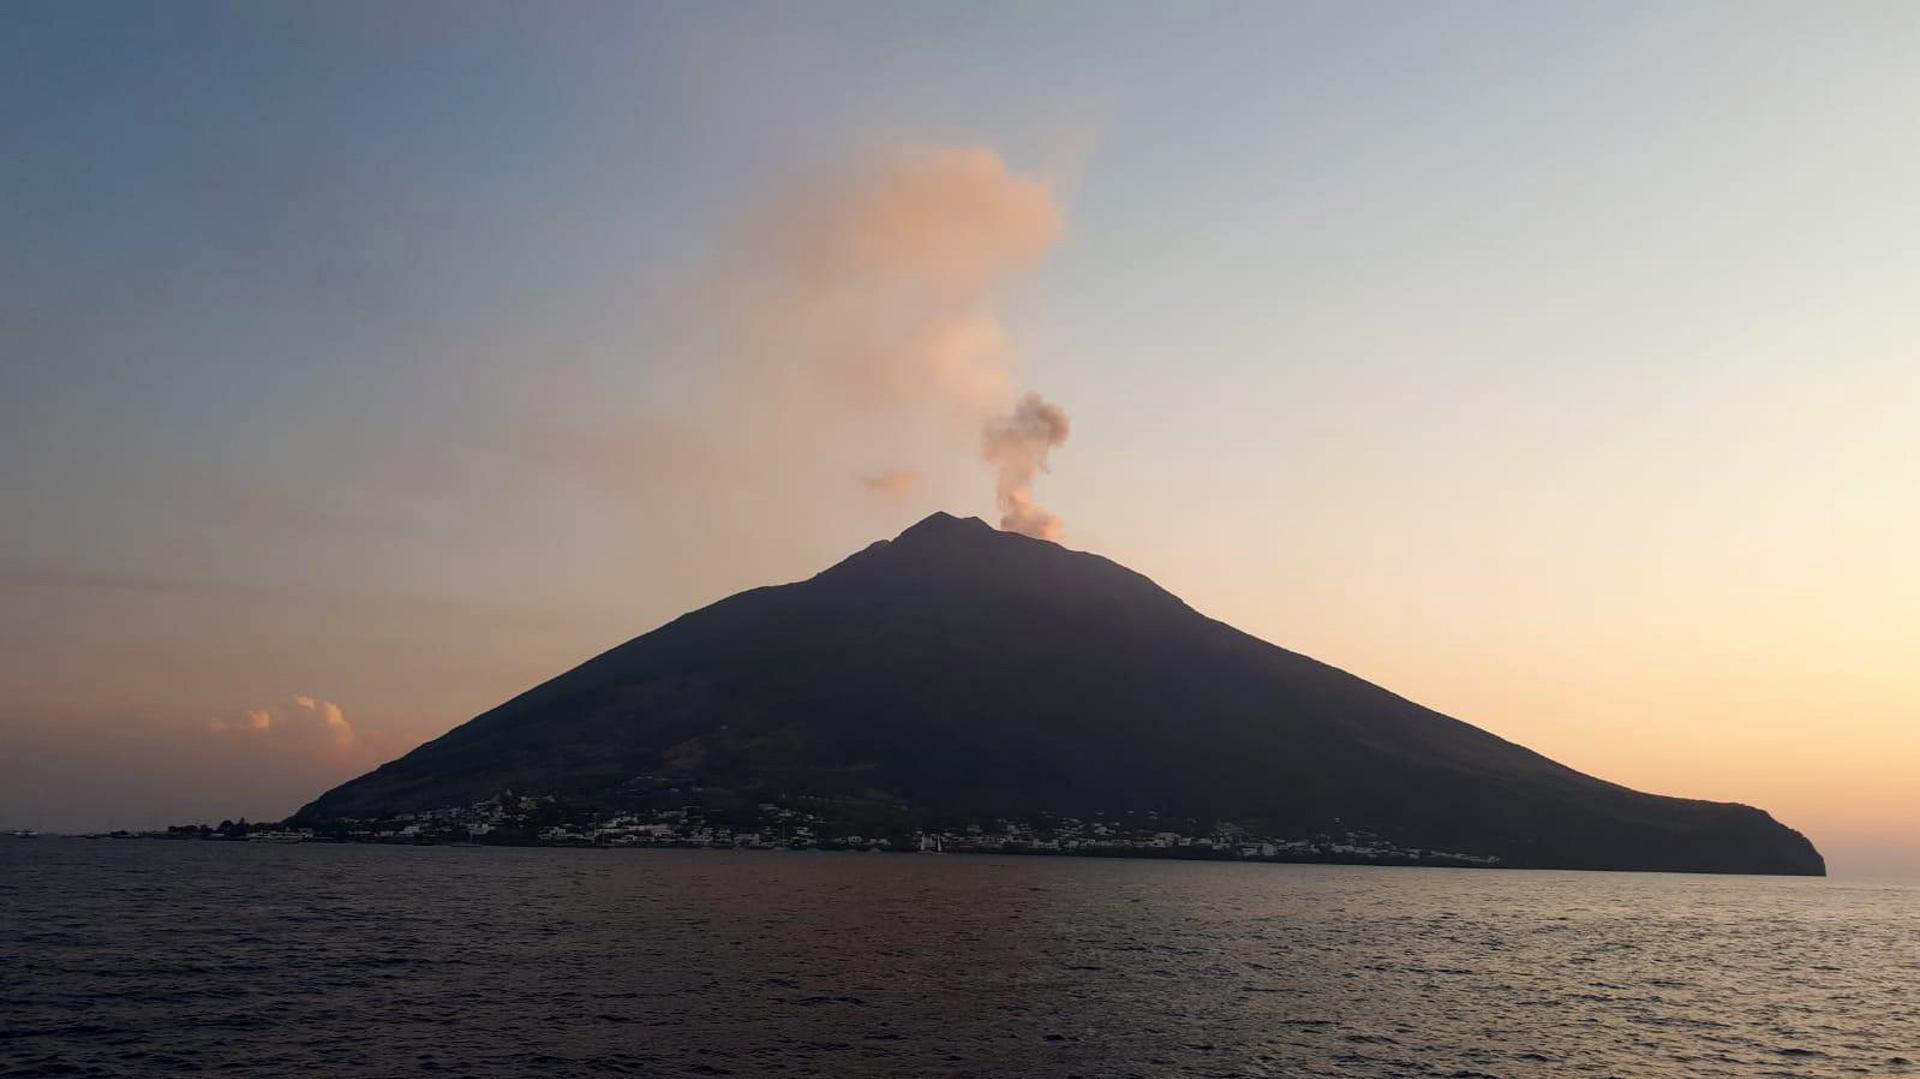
(778, 827)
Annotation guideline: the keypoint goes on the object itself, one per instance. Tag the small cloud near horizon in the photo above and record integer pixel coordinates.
(893, 483)
(302, 719)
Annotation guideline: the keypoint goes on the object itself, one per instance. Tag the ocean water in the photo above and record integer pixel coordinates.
(159, 958)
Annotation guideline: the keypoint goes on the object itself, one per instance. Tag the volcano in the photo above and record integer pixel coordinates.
(965, 671)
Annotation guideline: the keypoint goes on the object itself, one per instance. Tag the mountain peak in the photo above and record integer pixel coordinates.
(941, 524)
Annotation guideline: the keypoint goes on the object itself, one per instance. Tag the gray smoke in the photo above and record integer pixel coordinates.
(1017, 444)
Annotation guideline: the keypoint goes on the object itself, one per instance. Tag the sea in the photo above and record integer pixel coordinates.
(137, 957)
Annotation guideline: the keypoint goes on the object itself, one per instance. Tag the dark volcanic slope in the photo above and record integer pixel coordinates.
(974, 670)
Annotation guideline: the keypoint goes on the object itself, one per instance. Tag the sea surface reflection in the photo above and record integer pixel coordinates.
(146, 957)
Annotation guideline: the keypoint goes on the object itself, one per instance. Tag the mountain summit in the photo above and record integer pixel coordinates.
(962, 671)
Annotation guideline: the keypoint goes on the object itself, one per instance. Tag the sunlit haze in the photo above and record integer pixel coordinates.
(1556, 368)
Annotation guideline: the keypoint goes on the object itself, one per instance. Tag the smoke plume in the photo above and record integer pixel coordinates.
(1017, 445)
(865, 308)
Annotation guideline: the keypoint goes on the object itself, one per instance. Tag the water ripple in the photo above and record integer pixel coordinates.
(142, 958)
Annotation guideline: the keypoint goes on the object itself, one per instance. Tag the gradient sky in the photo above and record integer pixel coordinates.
(1555, 366)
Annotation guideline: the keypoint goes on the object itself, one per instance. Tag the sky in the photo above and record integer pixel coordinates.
(1555, 366)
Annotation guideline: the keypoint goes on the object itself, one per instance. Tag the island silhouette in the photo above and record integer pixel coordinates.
(962, 680)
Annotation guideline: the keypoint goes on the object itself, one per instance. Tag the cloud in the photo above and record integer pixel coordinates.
(303, 720)
(893, 483)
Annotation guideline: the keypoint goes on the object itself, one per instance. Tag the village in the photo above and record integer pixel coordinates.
(544, 820)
